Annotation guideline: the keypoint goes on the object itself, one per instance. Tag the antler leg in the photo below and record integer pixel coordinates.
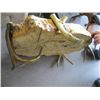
(68, 59)
(59, 59)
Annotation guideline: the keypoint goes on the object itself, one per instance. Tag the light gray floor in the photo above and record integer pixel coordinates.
(42, 73)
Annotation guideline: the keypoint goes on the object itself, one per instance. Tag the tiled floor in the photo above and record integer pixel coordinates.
(42, 73)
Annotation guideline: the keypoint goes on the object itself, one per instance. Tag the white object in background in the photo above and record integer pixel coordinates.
(82, 20)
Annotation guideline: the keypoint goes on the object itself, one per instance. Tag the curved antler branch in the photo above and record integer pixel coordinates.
(11, 50)
(60, 26)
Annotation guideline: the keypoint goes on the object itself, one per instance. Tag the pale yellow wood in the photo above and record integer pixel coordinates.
(34, 33)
